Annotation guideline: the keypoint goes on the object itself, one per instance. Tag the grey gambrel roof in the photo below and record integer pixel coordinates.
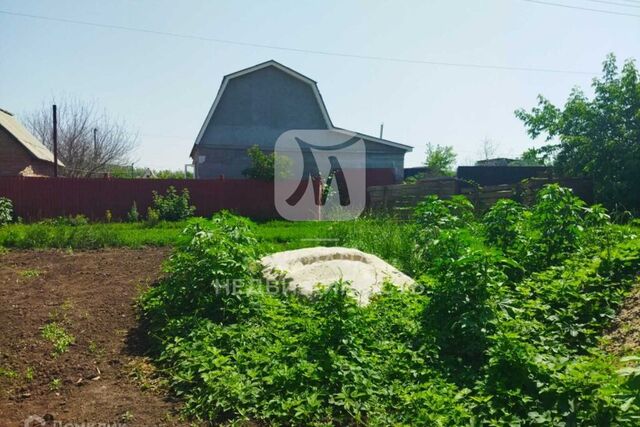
(25, 138)
(299, 76)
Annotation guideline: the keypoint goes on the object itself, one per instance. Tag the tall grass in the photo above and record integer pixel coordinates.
(387, 237)
(90, 236)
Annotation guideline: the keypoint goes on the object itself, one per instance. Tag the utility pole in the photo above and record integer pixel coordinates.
(95, 142)
(55, 141)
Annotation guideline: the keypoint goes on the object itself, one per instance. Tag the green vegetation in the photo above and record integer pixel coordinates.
(118, 171)
(6, 211)
(29, 374)
(264, 166)
(173, 206)
(8, 373)
(598, 138)
(55, 384)
(90, 236)
(133, 215)
(501, 329)
(58, 336)
(272, 236)
(440, 160)
(30, 273)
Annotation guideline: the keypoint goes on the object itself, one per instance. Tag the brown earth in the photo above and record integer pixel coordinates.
(624, 336)
(103, 377)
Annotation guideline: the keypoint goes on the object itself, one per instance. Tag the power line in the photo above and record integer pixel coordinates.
(292, 49)
(609, 12)
(614, 3)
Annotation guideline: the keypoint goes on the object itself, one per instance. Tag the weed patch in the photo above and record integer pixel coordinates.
(58, 336)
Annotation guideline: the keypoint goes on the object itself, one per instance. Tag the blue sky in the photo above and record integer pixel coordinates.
(163, 86)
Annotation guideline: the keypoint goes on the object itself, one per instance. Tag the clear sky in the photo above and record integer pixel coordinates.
(163, 86)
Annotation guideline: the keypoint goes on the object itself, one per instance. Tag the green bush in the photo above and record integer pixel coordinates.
(173, 206)
(71, 220)
(503, 224)
(6, 211)
(487, 337)
(153, 217)
(557, 218)
(461, 307)
(263, 166)
(435, 213)
(133, 215)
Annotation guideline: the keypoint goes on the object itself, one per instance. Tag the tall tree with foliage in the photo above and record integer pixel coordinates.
(598, 138)
(440, 159)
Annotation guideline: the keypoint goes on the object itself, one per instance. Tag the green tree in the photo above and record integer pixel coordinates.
(597, 138)
(440, 159)
(263, 165)
(531, 157)
(172, 174)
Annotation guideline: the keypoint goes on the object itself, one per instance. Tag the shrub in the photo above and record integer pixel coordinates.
(557, 218)
(71, 220)
(153, 217)
(263, 166)
(133, 215)
(173, 206)
(78, 220)
(220, 254)
(480, 345)
(460, 309)
(504, 224)
(444, 231)
(6, 211)
(435, 214)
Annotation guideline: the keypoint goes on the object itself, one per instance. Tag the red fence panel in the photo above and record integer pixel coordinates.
(38, 198)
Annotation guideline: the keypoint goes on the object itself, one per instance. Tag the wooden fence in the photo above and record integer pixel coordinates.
(401, 198)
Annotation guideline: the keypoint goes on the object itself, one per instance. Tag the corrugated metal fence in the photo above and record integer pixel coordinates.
(38, 198)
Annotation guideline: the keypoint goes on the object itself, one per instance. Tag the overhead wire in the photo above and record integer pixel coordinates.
(293, 49)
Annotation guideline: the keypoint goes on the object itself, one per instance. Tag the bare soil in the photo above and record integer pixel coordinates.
(624, 336)
(103, 377)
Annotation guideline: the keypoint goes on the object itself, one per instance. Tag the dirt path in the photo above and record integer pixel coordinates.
(101, 376)
(624, 336)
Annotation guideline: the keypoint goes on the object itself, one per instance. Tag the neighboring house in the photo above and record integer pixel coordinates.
(256, 105)
(21, 154)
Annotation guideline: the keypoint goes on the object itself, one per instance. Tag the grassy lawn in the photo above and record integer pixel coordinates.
(272, 236)
(90, 236)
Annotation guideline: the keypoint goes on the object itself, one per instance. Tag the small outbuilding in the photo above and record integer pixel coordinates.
(21, 153)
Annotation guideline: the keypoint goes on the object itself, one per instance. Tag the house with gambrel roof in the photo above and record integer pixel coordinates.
(256, 105)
